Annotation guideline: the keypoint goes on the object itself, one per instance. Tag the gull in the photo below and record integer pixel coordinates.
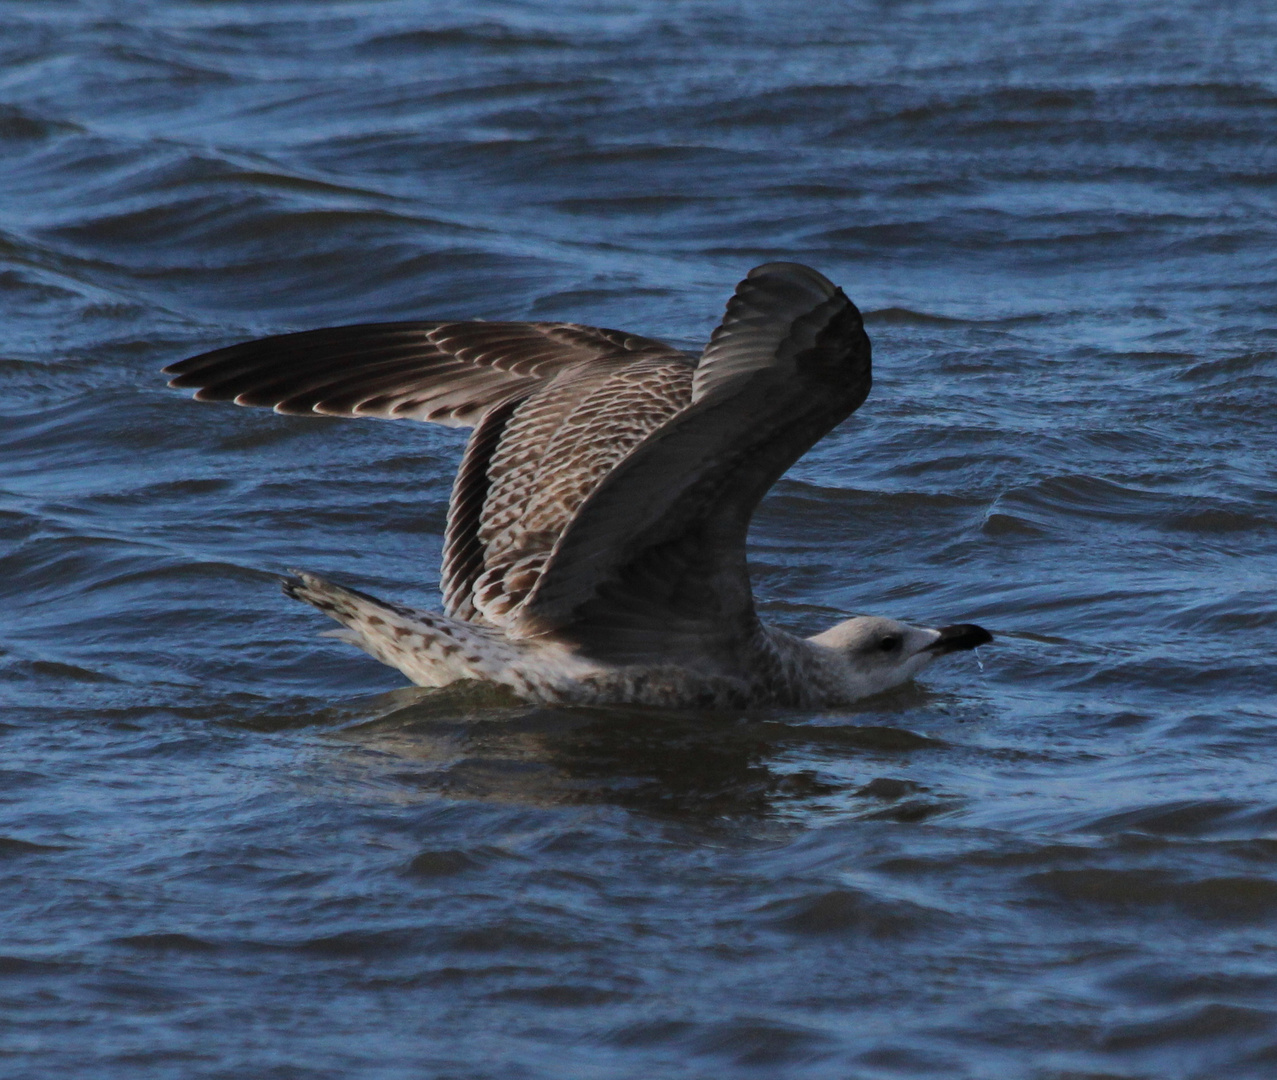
(595, 548)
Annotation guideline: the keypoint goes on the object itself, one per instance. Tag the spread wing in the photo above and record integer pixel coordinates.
(606, 491)
(653, 565)
(554, 406)
(451, 373)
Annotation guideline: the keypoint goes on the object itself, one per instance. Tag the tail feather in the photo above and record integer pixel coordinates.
(428, 647)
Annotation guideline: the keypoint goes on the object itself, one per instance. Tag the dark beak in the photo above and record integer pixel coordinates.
(959, 637)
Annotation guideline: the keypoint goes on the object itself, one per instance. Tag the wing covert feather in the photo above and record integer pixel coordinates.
(557, 447)
(653, 563)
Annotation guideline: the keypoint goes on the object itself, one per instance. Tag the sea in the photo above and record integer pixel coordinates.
(232, 848)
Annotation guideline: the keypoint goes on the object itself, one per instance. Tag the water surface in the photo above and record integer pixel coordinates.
(231, 848)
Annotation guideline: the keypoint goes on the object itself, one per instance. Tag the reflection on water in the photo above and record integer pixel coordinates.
(459, 743)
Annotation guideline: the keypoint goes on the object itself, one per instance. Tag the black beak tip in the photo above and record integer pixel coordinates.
(961, 636)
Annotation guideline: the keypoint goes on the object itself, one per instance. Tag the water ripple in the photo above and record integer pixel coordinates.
(230, 847)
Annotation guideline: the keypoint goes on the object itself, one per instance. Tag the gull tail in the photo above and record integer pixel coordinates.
(428, 647)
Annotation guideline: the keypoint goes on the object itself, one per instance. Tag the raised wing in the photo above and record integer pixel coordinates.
(554, 405)
(451, 373)
(653, 564)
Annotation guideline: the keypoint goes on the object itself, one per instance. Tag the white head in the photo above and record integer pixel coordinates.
(868, 654)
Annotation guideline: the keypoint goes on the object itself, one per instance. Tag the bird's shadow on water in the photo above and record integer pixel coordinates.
(471, 742)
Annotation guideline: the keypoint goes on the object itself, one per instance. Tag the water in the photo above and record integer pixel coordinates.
(231, 848)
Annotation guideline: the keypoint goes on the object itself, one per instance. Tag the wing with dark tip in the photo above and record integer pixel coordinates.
(554, 405)
(652, 566)
(449, 373)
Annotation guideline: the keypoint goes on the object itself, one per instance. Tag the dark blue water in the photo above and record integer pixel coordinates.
(230, 848)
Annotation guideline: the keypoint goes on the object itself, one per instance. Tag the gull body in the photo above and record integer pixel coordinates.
(595, 547)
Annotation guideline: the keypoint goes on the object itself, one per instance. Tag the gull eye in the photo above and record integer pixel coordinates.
(890, 643)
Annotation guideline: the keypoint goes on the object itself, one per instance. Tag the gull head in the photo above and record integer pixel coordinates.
(868, 654)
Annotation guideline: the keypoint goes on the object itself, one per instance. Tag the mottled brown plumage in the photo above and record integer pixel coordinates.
(595, 546)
